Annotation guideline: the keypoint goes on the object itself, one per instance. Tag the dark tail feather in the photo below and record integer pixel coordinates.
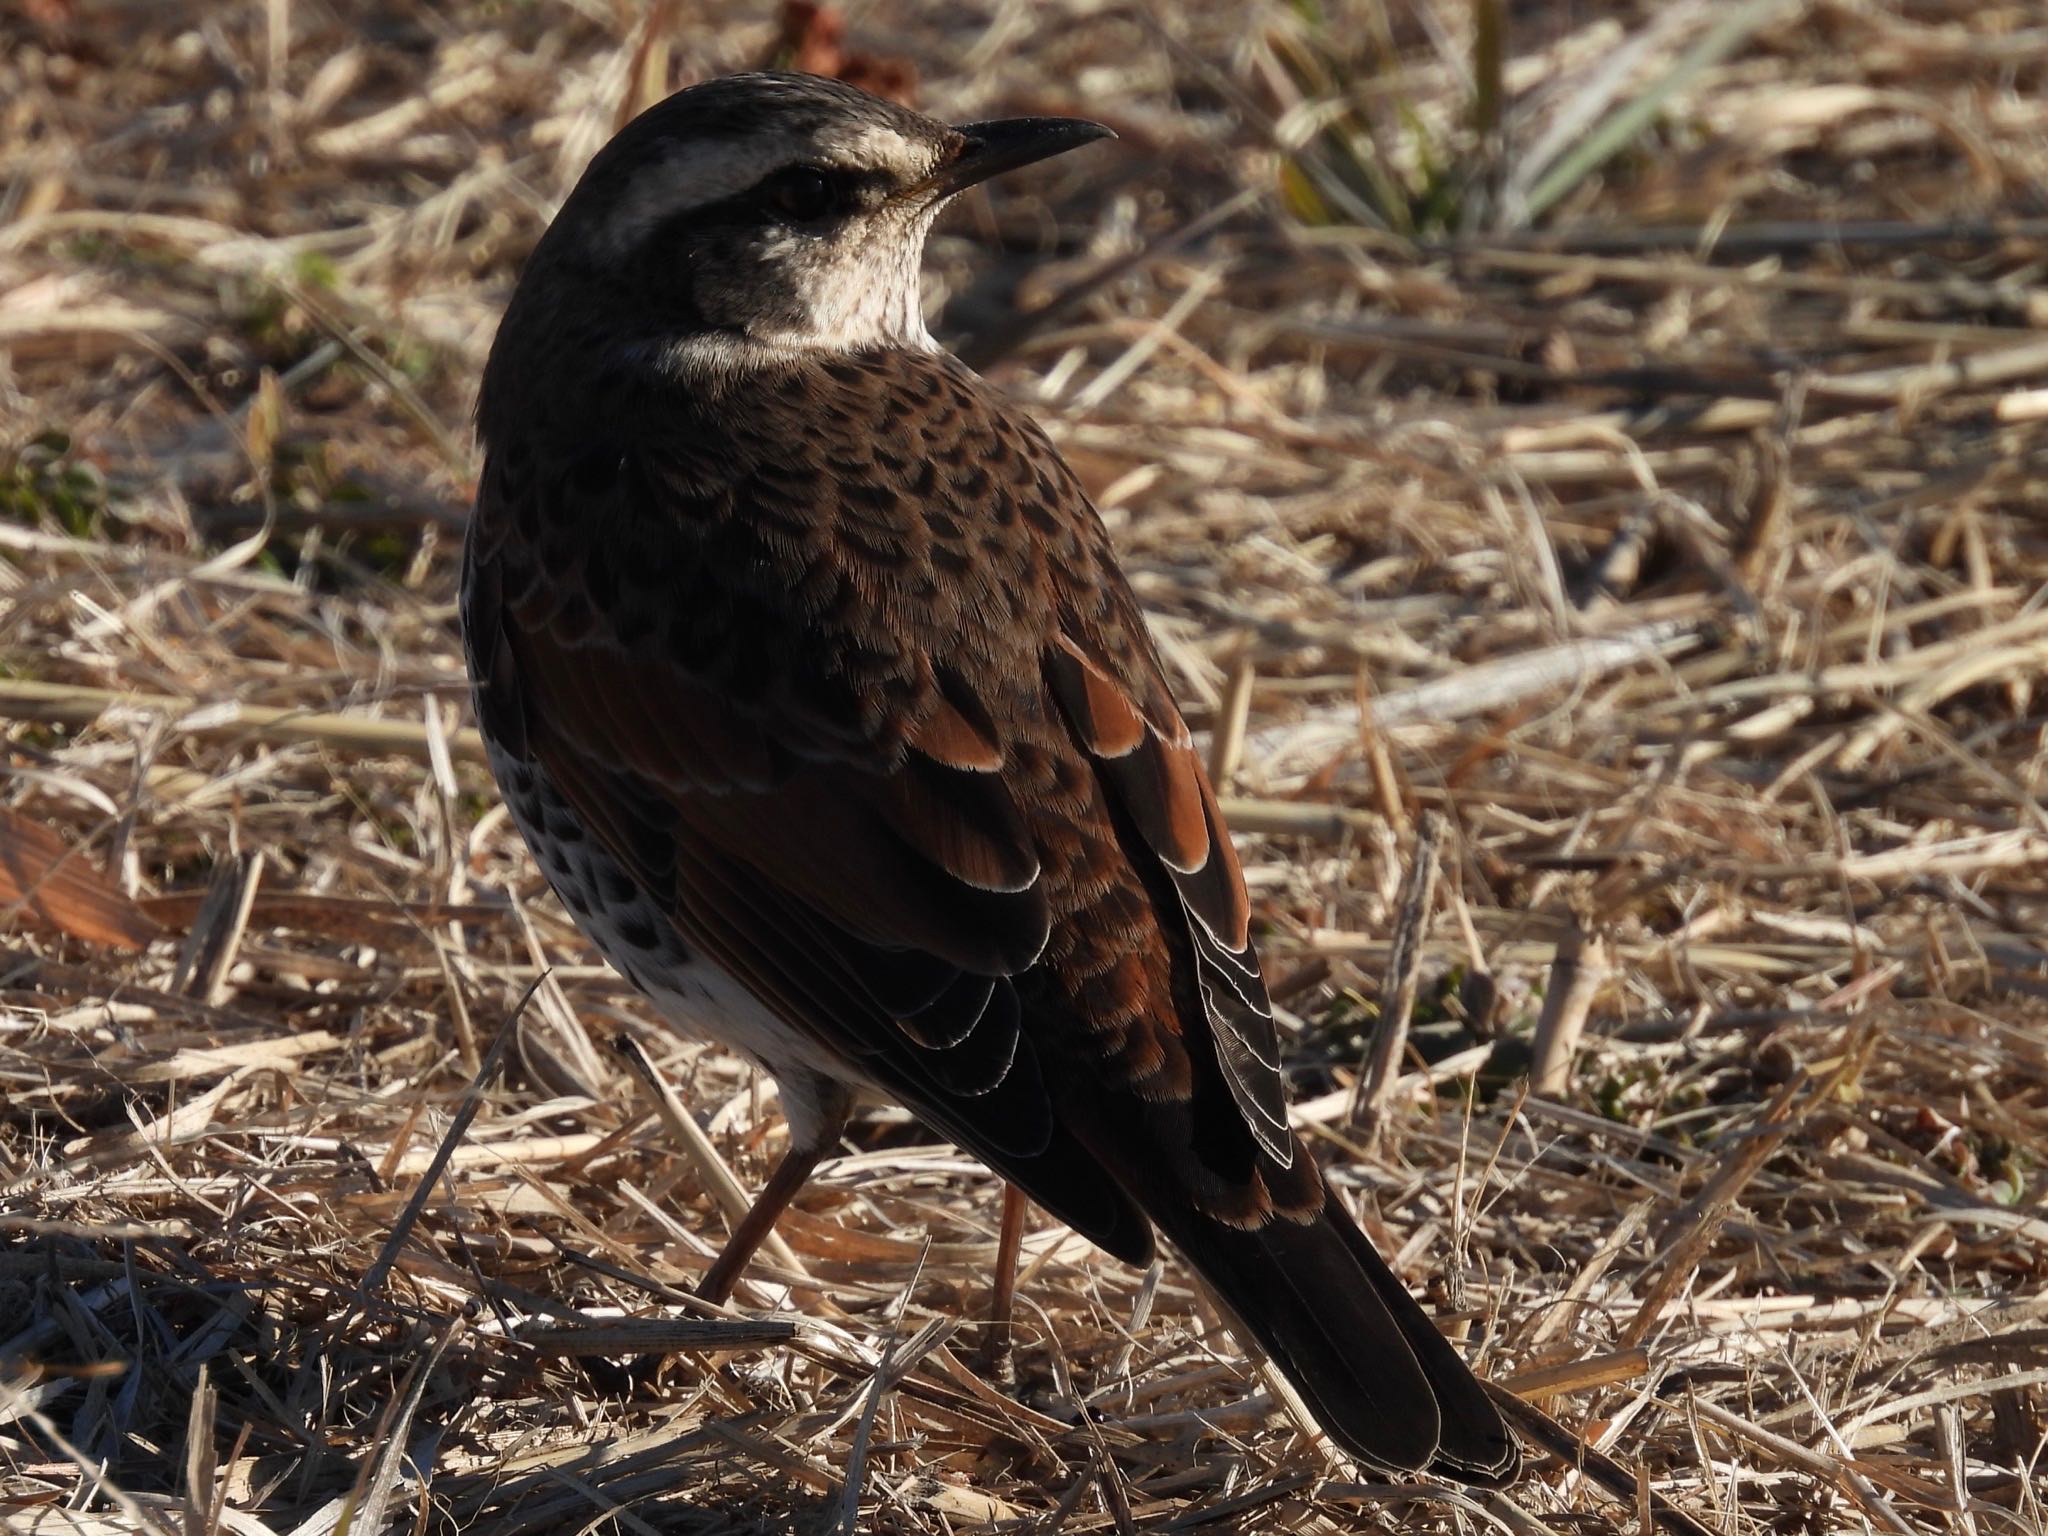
(1370, 1366)
(1473, 1445)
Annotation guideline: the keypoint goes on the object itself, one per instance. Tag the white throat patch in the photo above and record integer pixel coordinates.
(872, 297)
(858, 308)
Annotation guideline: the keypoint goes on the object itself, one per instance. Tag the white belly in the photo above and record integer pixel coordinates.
(642, 944)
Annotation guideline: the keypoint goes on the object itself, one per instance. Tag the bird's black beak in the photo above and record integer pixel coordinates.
(989, 149)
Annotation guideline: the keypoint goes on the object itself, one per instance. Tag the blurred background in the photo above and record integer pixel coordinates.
(1583, 465)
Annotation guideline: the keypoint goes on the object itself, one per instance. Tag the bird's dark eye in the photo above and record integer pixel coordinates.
(803, 194)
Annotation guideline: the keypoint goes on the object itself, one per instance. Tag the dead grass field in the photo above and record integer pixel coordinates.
(1614, 593)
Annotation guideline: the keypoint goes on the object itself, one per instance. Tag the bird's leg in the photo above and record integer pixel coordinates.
(816, 1110)
(790, 1175)
(999, 1348)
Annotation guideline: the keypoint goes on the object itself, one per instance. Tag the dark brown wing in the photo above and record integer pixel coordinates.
(722, 669)
(1152, 775)
(840, 670)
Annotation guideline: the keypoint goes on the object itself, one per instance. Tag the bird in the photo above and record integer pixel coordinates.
(806, 668)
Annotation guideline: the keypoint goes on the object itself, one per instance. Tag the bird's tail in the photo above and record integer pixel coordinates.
(1369, 1365)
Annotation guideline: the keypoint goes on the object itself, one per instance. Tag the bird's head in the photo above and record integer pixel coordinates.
(763, 215)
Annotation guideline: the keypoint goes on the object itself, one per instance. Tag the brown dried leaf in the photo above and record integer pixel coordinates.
(813, 40)
(45, 879)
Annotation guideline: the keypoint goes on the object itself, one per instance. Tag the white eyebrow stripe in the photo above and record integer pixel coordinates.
(705, 171)
(877, 148)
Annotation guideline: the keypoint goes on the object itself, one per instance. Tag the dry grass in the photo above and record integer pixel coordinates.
(1679, 564)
